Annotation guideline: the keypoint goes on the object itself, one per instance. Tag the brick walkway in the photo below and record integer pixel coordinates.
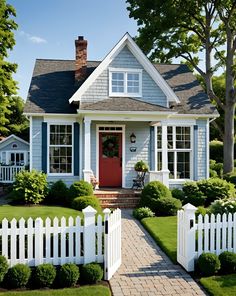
(145, 269)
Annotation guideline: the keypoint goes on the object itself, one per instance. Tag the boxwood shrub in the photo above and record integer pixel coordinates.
(79, 203)
(44, 275)
(143, 212)
(208, 264)
(58, 193)
(91, 273)
(228, 262)
(68, 275)
(3, 267)
(80, 188)
(17, 276)
(167, 206)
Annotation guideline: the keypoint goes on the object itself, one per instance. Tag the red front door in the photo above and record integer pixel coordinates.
(110, 159)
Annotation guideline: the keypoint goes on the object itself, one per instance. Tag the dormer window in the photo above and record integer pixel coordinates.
(125, 82)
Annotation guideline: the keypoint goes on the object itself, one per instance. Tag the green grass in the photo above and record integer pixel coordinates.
(82, 291)
(10, 212)
(220, 285)
(164, 232)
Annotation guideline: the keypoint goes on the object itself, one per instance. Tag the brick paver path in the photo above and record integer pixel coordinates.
(145, 269)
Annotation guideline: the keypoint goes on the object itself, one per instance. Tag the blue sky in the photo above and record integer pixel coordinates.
(48, 28)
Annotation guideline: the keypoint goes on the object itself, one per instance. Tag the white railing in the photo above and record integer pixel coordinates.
(210, 233)
(60, 241)
(8, 172)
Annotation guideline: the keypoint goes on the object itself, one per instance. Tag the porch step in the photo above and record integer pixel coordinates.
(118, 199)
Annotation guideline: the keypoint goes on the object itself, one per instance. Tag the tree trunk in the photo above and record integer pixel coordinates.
(229, 138)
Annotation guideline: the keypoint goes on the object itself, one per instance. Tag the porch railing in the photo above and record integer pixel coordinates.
(8, 172)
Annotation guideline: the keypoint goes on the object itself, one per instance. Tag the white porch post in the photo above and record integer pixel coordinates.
(87, 150)
(165, 171)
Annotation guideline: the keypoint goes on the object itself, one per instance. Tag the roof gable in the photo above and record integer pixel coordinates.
(141, 58)
(10, 139)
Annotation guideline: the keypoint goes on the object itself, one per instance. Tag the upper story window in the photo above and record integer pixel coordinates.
(60, 149)
(125, 82)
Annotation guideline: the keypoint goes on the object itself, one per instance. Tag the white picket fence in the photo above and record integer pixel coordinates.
(7, 173)
(210, 233)
(60, 241)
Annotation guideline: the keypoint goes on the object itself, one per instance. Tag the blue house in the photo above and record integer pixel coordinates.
(98, 118)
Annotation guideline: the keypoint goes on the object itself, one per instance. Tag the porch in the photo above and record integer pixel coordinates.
(8, 172)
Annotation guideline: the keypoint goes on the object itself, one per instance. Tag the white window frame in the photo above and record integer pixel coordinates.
(176, 150)
(125, 71)
(48, 149)
(8, 156)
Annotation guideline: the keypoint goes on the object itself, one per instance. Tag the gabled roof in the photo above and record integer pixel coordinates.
(12, 137)
(127, 40)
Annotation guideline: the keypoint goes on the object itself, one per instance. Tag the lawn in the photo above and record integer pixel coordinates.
(164, 232)
(10, 212)
(220, 285)
(82, 291)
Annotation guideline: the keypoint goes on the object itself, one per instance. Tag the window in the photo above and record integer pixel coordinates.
(17, 158)
(179, 151)
(125, 82)
(60, 149)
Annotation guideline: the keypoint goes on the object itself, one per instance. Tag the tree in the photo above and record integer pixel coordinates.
(7, 83)
(191, 30)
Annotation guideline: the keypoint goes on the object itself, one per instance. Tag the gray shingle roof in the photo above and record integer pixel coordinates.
(53, 84)
(122, 104)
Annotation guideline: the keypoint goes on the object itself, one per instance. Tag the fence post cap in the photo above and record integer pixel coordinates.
(189, 207)
(106, 211)
(89, 210)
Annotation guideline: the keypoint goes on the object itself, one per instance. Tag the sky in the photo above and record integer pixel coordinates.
(48, 29)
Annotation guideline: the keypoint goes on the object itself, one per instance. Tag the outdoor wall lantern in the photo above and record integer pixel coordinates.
(132, 138)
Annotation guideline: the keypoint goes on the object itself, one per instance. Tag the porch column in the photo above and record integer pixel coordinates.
(87, 150)
(165, 171)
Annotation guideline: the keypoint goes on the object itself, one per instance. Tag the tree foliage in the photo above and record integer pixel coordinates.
(7, 84)
(194, 30)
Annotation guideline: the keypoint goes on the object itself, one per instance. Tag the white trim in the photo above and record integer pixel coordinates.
(87, 144)
(31, 144)
(125, 71)
(207, 150)
(123, 148)
(59, 120)
(80, 149)
(15, 137)
(155, 148)
(48, 150)
(143, 60)
(48, 114)
(126, 112)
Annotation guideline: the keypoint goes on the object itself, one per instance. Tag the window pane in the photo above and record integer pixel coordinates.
(183, 138)
(133, 83)
(159, 133)
(183, 165)
(159, 161)
(60, 135)
(60, 159)
(171, 164)
(117, 82)
(170, 137)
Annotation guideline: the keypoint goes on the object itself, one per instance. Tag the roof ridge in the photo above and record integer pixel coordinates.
(66, 60)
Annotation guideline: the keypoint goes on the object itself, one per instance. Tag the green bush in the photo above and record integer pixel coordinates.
(201, 211)
(192, 194)
(228, 262)
(58, 193)
(215, 188)
(208, 264)
(231, 178)
(17, 276)
(167, 206)
(68, 275)
(216, 151)
(213, 174)
(141, 166)
(3, 267)
(152, 192)
(222, 206)
(79, 203)
(91, 273)
(178, 194)
(44, 275)
(141, 213)
(80, 188)
(30, 187)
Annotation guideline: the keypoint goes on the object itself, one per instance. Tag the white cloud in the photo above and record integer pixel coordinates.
(31, 38)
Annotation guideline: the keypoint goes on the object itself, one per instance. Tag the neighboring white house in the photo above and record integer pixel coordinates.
(101, 117)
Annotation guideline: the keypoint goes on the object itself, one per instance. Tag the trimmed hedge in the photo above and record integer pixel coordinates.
(143, 212)
(80, 188)
(3, 267)
(68, 275)
(80, 203)
(209, 264)
(167, 206)
(44, 275)
(228, 262)
(91, 273)
(58, 193)
(17, 276)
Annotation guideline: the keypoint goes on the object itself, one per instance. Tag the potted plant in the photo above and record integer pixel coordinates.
(141, 166)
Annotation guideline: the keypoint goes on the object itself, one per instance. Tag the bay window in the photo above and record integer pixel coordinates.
(60, 149)
(179, 149)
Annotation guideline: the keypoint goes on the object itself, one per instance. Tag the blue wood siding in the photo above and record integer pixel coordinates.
(37, 143)
(99, 90)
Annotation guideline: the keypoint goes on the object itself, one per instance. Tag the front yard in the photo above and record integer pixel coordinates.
(164, 232)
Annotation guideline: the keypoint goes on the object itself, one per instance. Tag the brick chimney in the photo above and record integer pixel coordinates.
(81, 58)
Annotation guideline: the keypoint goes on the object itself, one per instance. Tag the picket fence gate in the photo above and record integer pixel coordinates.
(209, 233)
(59, 241)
